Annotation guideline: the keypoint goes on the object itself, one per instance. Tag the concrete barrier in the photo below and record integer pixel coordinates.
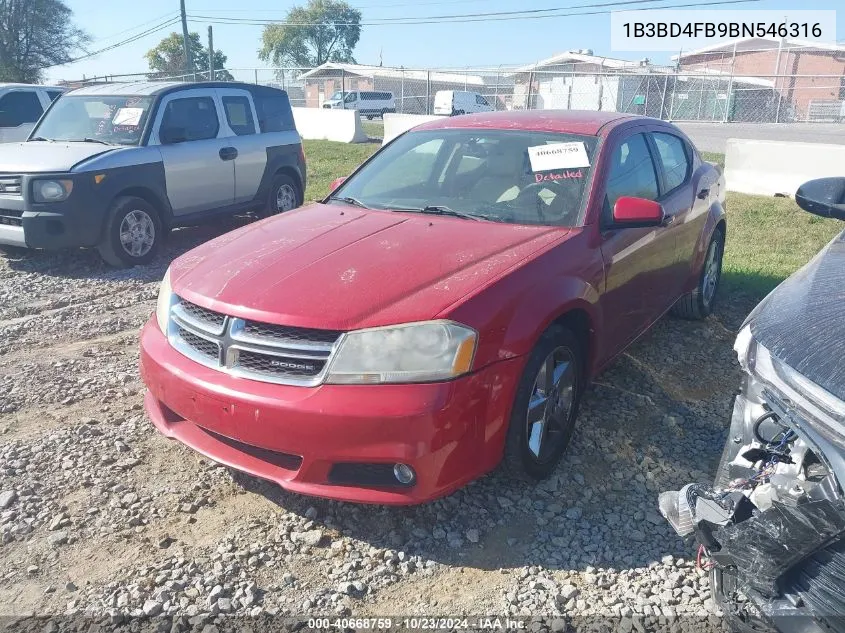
(329, 125)
(772, 168)
(396, 124)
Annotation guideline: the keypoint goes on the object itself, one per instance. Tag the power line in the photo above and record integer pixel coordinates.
(129, 40)
(464, 18)
(137, 26)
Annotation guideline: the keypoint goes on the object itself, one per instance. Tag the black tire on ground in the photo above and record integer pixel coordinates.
(698, 304)
(285, 194)
(370, 117)
(133, 233)
(520, 459)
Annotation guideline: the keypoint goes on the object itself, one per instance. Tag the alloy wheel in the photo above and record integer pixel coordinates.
(137, 233)
(712, 271)
(285, 198)
(550, 406)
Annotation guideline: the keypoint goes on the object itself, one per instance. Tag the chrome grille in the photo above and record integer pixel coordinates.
(10, 185)
(251, 349)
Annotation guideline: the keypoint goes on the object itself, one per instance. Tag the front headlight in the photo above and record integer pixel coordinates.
(165, 301)
(415, 352)
(51, 190)
(817, 403)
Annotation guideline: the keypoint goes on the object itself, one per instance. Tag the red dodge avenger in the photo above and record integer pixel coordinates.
(441, 311)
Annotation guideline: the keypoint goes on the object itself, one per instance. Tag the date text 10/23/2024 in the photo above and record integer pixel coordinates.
(418, 623)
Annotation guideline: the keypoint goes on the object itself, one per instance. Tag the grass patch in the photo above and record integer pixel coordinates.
(714, 157)
(768, 239)
(328, 160)
(374, 128)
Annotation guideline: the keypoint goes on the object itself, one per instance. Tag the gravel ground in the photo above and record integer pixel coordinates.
(100, 515)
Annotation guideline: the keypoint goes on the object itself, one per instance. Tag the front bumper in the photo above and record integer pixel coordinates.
(449, 433)
(787, 608)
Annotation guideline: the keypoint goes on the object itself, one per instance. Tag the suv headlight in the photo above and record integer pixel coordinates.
(165, 301)
(415, 352)
(51, 190)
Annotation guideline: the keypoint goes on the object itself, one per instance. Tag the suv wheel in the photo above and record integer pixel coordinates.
(699, 303)
(133, 233)
(546, 405)
(284, 196)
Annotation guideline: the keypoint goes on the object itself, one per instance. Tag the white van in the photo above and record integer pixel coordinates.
(370, 103)
(452, 102)
(21, 105)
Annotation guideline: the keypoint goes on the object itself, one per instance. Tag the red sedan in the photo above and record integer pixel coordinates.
(441, 310)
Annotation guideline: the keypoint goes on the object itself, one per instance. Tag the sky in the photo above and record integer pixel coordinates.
(474, 45)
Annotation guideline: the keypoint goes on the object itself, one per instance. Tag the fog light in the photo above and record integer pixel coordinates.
(404, 474)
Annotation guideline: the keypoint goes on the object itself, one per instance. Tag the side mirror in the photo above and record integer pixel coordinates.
(337, 182)
(631, 212)
(170, 135)
(823, 196)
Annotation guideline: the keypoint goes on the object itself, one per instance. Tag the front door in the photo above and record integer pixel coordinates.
(241, 122)
(639, 262)
(199, 172)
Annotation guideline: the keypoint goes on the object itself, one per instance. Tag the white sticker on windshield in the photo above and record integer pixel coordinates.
(127, 116)
(558, 156)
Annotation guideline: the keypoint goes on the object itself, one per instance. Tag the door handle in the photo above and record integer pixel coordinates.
(228, 153)
(702, 195)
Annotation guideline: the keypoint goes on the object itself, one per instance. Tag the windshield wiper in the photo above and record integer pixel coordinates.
(441, 210)
(350, 200)
(88, 139)
(41, 138)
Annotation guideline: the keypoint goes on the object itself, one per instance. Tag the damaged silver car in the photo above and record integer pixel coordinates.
(771, 528)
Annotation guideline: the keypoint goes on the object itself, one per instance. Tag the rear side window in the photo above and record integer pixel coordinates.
(239, 115)
(195, 118)
(18, 107)
(673, 156)
(274, 113)
(631, 173)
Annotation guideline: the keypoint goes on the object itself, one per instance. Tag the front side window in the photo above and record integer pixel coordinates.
(631, 174)
(239, 115)
(189, 119)
(673, 157)
(107, 119)
(19, 107)
(481, 100)
(350, 98)
(54, 94)
(491, 175)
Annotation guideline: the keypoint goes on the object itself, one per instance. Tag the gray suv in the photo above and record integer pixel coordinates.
(116, 166)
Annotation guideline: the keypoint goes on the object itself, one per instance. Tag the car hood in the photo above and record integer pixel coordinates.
(802, 321)
(47, 156)
(342, 268)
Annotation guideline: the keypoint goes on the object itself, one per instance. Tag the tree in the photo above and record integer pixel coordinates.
(322, 31)
(168, 59)
(34, 35)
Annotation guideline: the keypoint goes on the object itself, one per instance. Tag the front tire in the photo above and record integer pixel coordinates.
(545, 406)
(698, 304)
(133, 233)
(285, 194)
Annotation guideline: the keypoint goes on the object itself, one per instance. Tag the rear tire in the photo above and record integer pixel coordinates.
(285, 194)
(545, 406)
(698, 304)
(133, 233)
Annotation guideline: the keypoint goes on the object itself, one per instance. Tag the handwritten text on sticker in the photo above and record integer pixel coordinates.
(558, 156)
(127, 116)
(561, 175)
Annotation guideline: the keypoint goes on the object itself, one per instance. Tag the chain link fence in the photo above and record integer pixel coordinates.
(704, 94)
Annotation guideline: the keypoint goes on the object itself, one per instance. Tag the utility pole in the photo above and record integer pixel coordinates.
(210, 54)
(188, 65)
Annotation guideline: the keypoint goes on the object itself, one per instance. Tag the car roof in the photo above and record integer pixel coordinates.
(16, 85)
(153, 88)
(568, 121)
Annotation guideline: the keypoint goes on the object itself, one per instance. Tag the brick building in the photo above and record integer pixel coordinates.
(808, 77)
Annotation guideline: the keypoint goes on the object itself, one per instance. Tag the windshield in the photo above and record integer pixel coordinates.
(497, 175)
(337, 96)
(107, 119)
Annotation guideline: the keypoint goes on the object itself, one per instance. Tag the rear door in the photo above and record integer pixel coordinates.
(241, 122)
(638, 262)
(198, 168)
(20, 108)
